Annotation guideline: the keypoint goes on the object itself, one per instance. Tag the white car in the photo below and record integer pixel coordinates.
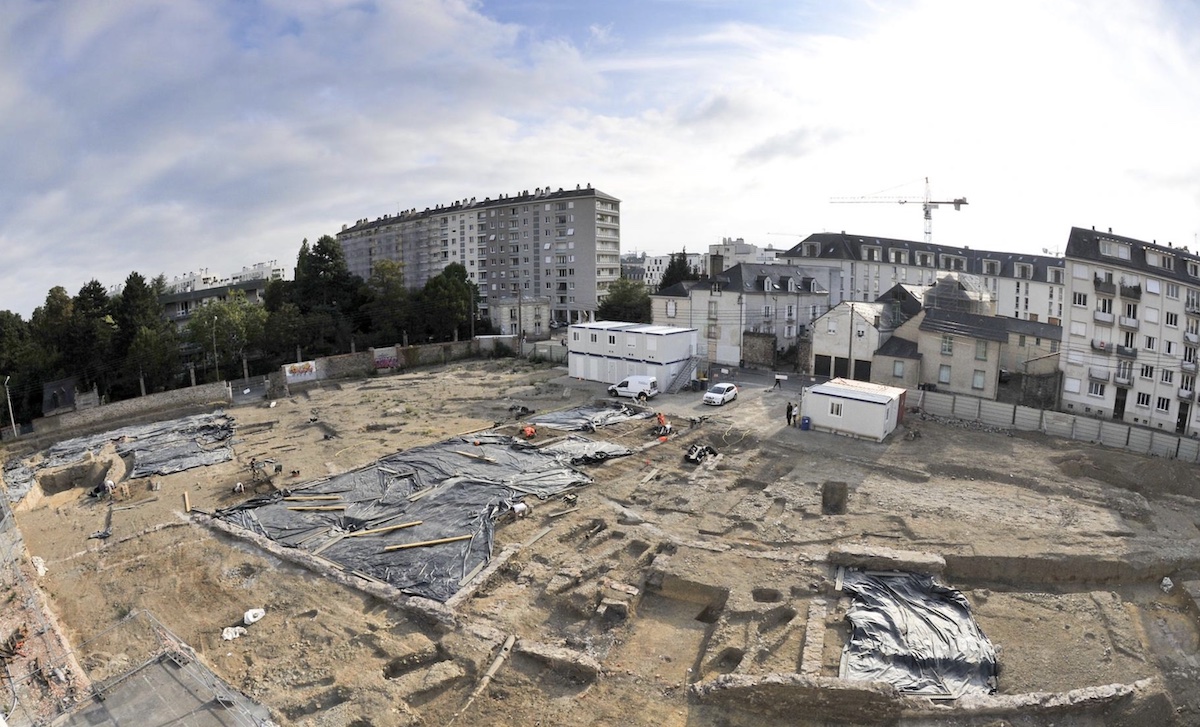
(720, 394)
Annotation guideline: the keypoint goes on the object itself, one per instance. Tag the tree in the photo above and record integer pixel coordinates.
(677, 271)
(322, 278)
(92, 331)
(135, 309)
(389, 304)
(234, 325)
(155, 353)
(626, 301)
(447, 303)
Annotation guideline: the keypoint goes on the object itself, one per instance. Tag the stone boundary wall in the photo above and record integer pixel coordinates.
(863, 702)
(206, 394)
(1056, 423)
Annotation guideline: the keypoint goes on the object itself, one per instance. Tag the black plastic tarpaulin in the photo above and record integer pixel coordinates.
(588, 418)
(158, 448)
(454, 489)
(918, 635)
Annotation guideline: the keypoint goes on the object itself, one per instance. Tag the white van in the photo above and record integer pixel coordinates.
(635, 387)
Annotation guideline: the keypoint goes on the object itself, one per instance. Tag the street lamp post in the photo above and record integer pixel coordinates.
(11, 419)
(216, 361)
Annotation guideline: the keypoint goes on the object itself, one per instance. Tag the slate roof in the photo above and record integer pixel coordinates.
(1086, 244)
(749, 277)
(1037, 329)
(842, 246)
(898, 347)
(970, 325)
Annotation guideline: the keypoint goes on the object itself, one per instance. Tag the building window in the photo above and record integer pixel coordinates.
(1095, 388)
(1079, 299)
(835, 408)
(1169, 347)
(1112, 248)
(1172, 319)
(1164, 404)
(898, 369)
(947, 345)
(981, 350)
(612, 340)
(944, 374)
(671, 308)
(977, 379)
(1143, 399)
(1151, 343)
(1131, 310)
(1147, 371)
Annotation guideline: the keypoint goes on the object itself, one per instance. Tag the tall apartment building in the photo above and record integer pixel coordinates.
(560, 244)
(861, 268)
(1131, 331)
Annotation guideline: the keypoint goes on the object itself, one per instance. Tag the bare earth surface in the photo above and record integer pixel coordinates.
(663, 574)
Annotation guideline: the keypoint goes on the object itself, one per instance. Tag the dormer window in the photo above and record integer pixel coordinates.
(872, 254)
(1112, 248)
(1023, 271)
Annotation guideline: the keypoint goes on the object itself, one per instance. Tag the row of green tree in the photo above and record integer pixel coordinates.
(123, 345)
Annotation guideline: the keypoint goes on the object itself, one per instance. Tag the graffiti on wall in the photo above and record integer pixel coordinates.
(300, 372)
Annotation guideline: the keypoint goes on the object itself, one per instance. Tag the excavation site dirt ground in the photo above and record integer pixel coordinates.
(665, 592)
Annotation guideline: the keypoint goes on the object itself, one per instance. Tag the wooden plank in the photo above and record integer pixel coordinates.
(423, 543)
(317, 508)
(388, 528)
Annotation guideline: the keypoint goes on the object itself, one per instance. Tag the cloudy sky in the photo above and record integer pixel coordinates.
(165, 137)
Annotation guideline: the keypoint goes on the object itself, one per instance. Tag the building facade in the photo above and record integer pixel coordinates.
(860, 268)
(185, 294)
(560, 244)
(1131, 331)
(778, 300)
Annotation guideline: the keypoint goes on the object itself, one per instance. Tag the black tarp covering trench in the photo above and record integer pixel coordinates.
(918, 635)
(454, 488)
(589, 417)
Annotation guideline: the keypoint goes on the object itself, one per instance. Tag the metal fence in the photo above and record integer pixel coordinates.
(1059, 424)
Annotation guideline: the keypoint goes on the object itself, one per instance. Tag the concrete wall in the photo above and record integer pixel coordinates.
(205, 394)
(1108, 432)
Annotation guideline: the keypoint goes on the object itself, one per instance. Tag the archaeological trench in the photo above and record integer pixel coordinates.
(395, 551)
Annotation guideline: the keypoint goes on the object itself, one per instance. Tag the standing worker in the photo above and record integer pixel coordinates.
(791, 411)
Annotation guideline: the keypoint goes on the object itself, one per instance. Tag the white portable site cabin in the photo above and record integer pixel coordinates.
(856, 408)
(608, 351)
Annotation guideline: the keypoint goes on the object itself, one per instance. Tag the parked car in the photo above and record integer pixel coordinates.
(1005, 376)
(721, 394)
(636, 387)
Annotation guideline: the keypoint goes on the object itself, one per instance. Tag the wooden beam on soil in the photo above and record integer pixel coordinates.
(424, 543)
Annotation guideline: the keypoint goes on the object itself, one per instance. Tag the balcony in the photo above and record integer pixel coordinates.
(1098, 373)
(1185, 394)
(1191, 337)
(1103, 347)
(1130, 323)
(1101, 317)
(1192, 307)
(1132, 292)
(1123, 380)
(1105, 286)
(1126, 351)
(1188, 366)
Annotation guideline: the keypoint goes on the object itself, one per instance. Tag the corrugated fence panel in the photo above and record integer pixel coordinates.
(1139, 440)
(1087, 430)
(1113, 434)
(1058, 424)
(1163, 444)
(1028, 420)
(939, 404)
(1189, 450)
(996, 414)
(966, 407)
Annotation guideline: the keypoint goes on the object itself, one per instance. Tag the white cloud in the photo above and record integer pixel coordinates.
(168, 137)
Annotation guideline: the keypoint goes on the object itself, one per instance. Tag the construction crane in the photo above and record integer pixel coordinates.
(927, 204)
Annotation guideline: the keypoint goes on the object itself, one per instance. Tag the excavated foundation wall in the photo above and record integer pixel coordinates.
(172, 401)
